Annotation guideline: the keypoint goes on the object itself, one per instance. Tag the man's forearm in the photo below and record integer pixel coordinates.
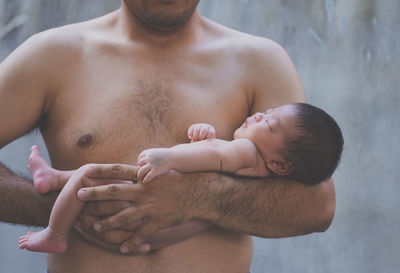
(262, 207)
(20, 203)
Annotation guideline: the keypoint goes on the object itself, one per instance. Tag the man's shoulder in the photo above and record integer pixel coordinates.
(250, 49)
(68, 39)
(52, 44)
(268, 70)
(241, 40)
(43, 52)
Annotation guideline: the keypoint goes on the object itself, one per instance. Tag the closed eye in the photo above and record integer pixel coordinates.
(269, 125)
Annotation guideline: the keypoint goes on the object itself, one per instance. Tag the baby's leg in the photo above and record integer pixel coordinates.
(53, 239)
(45, 178)
(44, 241)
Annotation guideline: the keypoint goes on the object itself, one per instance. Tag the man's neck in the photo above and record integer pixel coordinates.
(133, 29)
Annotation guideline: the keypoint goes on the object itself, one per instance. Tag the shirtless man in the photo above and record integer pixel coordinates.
(104, 90)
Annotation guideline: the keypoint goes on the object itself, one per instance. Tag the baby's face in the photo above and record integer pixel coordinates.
(269, 130)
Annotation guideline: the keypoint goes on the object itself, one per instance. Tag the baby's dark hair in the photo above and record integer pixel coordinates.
(316, 149)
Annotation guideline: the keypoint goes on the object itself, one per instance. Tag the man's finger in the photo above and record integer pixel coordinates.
(85, 222)
(92, 182)
(116, 237)
(134, 226)
(121, 219)
(91, 239)
(137, 244)
(122, 192)
(113, 171)
(102, 208)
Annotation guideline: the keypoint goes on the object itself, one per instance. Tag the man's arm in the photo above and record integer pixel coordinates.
(25, 78)
(267, 208)
(20, 203)
(262, 207)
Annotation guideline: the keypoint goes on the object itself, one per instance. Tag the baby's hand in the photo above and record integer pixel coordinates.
(201, 131)
(153, 163)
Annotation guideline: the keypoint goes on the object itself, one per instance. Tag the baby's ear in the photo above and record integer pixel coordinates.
(280, 167)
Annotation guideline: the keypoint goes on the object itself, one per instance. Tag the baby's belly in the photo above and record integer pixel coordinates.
(214, 250)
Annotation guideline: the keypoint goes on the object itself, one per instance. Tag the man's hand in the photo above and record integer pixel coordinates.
(153, 163)
(201, 131)
(160, 205)
(95, 211)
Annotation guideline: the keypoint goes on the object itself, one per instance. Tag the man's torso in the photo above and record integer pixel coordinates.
(118, 98)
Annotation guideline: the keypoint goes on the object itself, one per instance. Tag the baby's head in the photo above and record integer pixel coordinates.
(298, 141)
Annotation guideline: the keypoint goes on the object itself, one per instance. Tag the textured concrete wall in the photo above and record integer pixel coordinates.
(348, 56)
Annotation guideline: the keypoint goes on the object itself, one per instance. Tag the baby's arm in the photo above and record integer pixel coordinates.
(153, 162)
(208, 155)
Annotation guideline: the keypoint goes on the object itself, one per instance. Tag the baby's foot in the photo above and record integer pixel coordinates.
(43, 175)
(44, 241)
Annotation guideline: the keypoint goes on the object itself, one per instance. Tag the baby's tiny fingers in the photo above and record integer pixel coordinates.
(143, 171)
(211, 133)
(190, 132)
(142, 161)
(203, 132)
(147, 178)
(196, 133)
(142, 154)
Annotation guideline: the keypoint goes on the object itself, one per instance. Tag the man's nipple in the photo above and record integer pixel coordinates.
(85, 140)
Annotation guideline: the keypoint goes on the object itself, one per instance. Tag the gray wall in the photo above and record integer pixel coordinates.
(348, 56)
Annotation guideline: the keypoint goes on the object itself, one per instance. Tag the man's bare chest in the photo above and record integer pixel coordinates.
(114, 117)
